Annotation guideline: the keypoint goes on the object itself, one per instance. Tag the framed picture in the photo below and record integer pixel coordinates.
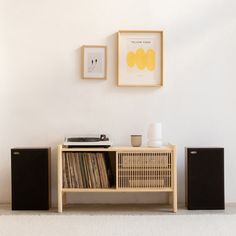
(140, 58)
(94, 62)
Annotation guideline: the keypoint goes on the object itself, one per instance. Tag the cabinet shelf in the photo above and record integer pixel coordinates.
(111, 190)
(127, 169)
(75, 190)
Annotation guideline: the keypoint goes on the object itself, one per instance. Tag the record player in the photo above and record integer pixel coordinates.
(88, 141)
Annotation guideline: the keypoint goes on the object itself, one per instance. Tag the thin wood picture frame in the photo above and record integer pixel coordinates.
(140, 58)
(94, 62)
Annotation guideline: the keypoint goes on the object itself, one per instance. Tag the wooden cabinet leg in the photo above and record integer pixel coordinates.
(60, 202)
(175, 201)
(174, 181)
(59, 175)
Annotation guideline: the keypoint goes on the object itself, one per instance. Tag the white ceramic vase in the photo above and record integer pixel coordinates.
(155, 135)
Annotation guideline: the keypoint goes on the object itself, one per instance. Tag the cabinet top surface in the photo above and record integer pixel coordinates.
(119, 148)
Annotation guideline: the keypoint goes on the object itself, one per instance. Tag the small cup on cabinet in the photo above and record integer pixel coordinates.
(136, 140)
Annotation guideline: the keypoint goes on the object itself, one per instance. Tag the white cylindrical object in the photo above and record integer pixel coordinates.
(155, 131)
(155, 135)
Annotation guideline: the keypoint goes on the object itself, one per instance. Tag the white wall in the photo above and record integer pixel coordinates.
(42, 97)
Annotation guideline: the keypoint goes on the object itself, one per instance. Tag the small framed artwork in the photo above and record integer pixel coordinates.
(140, 58)
(94, 62)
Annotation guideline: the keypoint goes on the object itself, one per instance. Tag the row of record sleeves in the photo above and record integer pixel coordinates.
(85, 170)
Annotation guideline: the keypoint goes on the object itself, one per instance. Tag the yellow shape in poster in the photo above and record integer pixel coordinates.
(150, 59)
(130, 59)
(141, 59)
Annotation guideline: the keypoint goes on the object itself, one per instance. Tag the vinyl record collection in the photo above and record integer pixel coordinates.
(85, 170)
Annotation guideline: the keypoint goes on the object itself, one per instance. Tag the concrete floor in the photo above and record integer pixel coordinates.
(124, 209)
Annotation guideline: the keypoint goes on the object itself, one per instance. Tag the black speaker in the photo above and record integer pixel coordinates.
(30, 178)
(205, 178)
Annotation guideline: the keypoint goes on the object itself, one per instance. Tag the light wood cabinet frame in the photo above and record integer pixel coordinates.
(150, 157)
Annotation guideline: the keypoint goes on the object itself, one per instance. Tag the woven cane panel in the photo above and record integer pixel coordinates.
(145, 170)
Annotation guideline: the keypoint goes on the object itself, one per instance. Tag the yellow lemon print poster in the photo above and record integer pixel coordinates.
(140, 58)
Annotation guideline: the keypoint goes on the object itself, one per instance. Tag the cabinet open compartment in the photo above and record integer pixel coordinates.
(88, 170)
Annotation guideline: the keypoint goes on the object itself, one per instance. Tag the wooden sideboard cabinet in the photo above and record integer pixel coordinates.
(117, 169)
